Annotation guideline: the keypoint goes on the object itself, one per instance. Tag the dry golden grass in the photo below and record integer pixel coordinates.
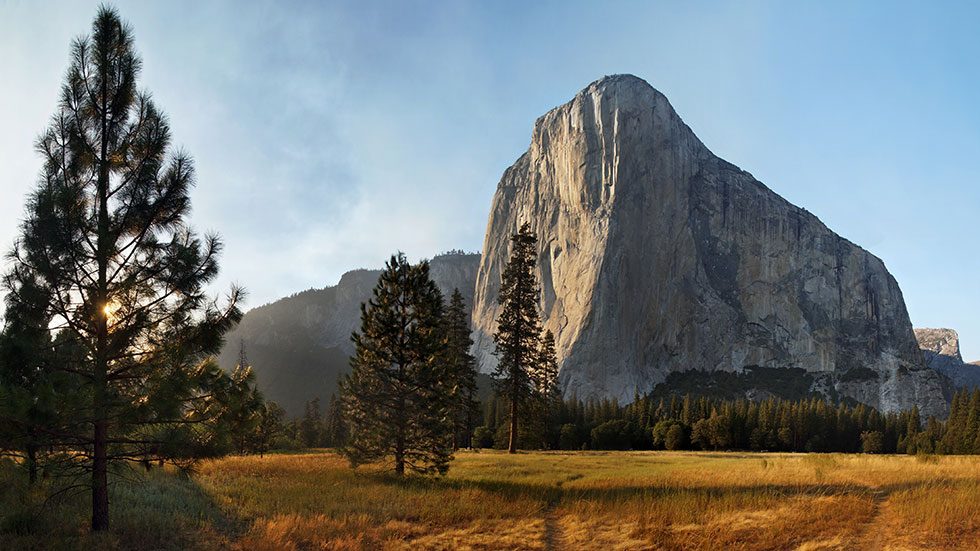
(492, 500)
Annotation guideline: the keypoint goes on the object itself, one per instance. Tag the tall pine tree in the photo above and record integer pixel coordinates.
(462, 371)
(311, 427)
(546, 390)
(336, 425)
(398, 396)
(518, 328)
(244, 407)
(105, 239)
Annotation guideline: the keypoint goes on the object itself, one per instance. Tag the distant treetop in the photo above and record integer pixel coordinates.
(456, 252)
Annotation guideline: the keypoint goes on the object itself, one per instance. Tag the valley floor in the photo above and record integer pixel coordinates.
(543, 501)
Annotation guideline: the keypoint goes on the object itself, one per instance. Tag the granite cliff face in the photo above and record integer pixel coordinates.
(656, 257)
(299, 345)
(941, 348)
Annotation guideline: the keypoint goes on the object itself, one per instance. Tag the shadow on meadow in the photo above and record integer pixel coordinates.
(556, 493)
(159, 509)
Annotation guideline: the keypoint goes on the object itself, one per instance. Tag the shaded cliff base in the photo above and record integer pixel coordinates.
(755, 383)
(759, 383)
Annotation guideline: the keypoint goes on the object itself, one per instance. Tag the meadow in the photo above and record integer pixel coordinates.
(535, 500)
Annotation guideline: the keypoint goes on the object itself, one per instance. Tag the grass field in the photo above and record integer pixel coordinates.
(491, 500)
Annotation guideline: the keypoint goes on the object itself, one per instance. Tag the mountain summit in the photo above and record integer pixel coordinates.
(941, 349)
(657, 257)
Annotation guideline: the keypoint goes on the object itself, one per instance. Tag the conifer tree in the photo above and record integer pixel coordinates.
(397, 398)
(547, 395)
(244, 406)
(518, 328)
(311, 426)
(336, 427)
(972, 424)
(30, 404)
(490, 412)
(105, 239)
(956, 423)
(270, 426)
(462, 371)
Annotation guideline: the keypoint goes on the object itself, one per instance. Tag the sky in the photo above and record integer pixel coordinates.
(328, 135)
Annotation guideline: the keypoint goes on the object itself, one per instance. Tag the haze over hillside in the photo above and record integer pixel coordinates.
(299, 345)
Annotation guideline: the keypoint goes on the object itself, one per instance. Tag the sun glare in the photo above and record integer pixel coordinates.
(110, 309)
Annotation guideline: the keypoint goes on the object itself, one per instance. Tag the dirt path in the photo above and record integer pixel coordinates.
(553, 538)
(877, 528)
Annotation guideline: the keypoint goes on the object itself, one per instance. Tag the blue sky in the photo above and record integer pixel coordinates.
(328, 135)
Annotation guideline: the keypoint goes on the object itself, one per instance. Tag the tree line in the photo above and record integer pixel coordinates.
(700, 423)
(706, 423)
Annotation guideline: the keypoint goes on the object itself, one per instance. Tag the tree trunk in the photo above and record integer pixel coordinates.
(100, 480)
(455, 432)
(32, 463)
(100, 467)
(400, 456)
(513, 424)
(400, 438)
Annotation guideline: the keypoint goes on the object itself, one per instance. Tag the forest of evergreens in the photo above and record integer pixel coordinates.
(692, 422)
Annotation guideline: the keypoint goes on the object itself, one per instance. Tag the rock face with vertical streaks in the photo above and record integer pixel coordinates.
(657, 257)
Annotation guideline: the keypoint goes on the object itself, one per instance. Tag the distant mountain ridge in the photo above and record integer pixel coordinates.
(941, 348)
(299, 345)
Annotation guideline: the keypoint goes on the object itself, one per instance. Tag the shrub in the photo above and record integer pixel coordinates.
(676, 439)
(659, 433)
(568, 439)
(611, 435)
(482, 437)
(872, 441)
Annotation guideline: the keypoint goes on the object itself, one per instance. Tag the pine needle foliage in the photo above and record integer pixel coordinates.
(462, 371)
(33, 399)
(518, 328)
(335, 425)
(122, 277)
(245, 409)
(397, 399)
(546, 374)
(543, 429)
(311, 429)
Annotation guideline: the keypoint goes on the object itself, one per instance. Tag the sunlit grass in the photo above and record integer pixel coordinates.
(492, 500)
